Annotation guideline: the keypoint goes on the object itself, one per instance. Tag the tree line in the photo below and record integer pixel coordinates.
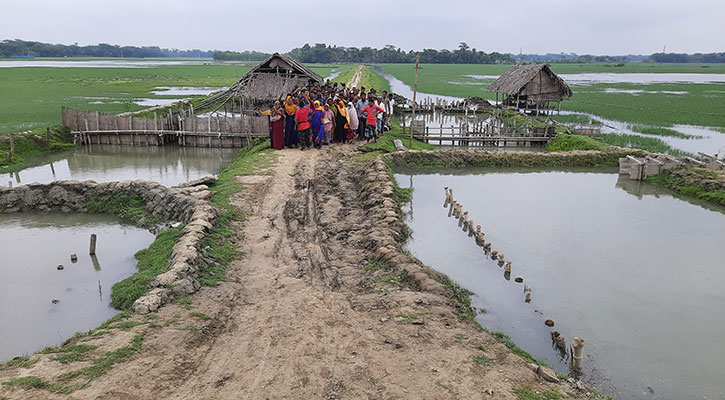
(17, 47)
(322, 53)
(687, 58)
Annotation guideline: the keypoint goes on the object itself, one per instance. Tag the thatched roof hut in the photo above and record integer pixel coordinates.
(530, 87)
(265, 82)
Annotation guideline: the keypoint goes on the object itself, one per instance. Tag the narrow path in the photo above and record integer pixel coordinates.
(355, 80)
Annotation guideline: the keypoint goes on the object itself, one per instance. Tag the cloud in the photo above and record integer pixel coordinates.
(581, 26)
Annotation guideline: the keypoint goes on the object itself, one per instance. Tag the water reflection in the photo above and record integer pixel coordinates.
(41, 304)
(168, 165)
(631, 275)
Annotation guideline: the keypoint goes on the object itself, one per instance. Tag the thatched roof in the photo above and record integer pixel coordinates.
(265, 82)
(516, 79)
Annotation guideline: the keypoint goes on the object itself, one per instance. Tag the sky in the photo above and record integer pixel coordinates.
(611, 27)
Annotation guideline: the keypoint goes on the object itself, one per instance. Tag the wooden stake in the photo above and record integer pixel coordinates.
(578, 353)
(415, 92)
(92, 250)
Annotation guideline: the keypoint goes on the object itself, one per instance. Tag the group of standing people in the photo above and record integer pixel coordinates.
(319, 115)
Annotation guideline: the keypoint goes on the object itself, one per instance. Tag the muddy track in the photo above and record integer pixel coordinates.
(305, 314)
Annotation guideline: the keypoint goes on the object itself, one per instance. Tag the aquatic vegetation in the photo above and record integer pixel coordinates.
(35, 143)
(640, 142)
(661, 131)
(564, 142)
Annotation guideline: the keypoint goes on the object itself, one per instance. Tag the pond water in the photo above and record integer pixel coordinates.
(168, 165)
(184, 90)
(41, 306)
(634, 271)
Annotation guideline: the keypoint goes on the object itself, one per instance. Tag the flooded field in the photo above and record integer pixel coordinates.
(638, 78)
(168, 165)
(41, 305)
(624, 265)
(399, 87)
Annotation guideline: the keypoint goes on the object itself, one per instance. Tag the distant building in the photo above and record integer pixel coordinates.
(531, 87)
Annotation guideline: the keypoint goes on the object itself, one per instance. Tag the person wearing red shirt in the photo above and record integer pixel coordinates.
(371, 120)
(302, 123)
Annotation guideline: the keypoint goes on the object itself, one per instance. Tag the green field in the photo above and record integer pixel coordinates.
(31, 97)
(700, 104)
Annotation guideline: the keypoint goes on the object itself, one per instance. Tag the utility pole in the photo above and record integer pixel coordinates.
(415, 92)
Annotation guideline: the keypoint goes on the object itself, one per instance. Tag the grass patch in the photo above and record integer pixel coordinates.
(482, 360)
(220, 243)
(652, 144)
(564, 142)
(526, 393)
(400, 278)
(103, 364)
(385, 142)
(461, 298)
(690, 184)
(33, 382)
(506, 340)
(18, 362)
(200, 315)
(126, 325)
(29, 146)
(69, 354)
(151, 262)
(374, 264)
(184, 301)
(131, 208)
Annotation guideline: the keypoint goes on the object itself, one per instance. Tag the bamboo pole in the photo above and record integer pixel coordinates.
(92, 249)
(415, 92)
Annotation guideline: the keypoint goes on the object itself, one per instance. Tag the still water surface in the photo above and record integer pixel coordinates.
(33, 245)
(633, 270)
(168, 165)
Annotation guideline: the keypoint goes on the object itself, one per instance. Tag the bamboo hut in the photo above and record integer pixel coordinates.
(264, 83)
(530, 88)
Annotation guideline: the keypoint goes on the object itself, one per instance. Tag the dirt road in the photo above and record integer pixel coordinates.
(305, 314)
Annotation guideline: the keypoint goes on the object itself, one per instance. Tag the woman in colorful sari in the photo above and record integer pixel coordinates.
(318, 128)
(290, 133)
(342, 123)
(328, 120)
(276, 124)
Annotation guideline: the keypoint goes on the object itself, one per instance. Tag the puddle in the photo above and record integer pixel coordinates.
(636, 276)
(31, 281)
(155, 102)
(184, 90)
(636, 92)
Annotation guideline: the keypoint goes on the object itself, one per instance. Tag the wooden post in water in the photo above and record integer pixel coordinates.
(578, 353)
(415, 92)
(92, 250)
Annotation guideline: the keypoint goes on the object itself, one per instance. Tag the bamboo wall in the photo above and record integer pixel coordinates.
(83, 120)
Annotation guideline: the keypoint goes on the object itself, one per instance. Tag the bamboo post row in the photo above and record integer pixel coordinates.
(456, 210)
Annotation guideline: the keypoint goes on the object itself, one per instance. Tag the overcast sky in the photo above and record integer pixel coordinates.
(612, 27)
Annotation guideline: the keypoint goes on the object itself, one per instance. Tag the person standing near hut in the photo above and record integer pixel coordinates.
(302, 124)
(290, 133)
(276, 125)
(342, 123)
(359, 105)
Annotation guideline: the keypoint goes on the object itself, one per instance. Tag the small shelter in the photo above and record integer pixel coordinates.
(530, 87)
(265, 83)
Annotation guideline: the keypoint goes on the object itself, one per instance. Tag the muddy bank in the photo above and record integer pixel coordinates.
(187, 203)
(703, 183)
(475, 158)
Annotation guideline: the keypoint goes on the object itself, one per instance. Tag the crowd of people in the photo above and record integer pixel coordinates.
(318, 115)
